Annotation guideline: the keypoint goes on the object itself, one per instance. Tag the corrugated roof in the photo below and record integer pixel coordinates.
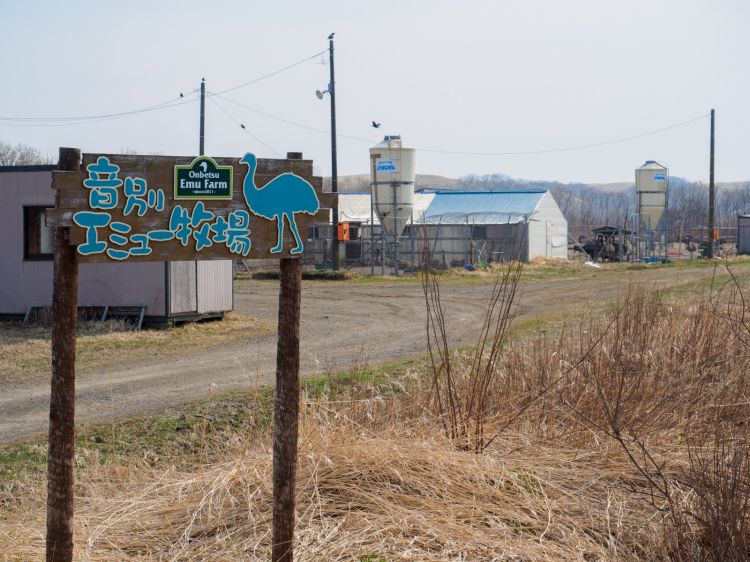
(482, 207)
(452, 207)
(355, 207)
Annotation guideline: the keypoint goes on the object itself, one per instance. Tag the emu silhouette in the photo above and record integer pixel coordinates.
(282, 197)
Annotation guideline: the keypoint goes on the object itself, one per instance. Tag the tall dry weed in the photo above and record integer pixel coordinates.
(681, 377)
(462, 397)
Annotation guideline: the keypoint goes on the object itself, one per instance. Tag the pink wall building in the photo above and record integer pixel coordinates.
(169, 291)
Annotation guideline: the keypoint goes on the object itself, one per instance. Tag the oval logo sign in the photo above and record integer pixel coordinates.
(386, 166)
(203, 179)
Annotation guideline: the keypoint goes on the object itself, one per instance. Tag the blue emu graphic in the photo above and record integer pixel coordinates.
(282, 197)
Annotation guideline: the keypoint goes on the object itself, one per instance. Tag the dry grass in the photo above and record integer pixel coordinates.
(26, 351)
(613, 438)
(364, 489)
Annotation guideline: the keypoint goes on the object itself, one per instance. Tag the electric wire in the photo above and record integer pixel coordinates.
(172, 102)
(569, 148)
(290, 122)
(270, 74)
(236, 122)
(467, 153)
(147, 108)
(82, 120)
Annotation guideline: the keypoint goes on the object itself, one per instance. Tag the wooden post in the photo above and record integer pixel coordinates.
(286, 410)
(63, 392)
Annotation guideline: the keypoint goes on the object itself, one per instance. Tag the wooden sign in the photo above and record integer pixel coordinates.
(159, 208)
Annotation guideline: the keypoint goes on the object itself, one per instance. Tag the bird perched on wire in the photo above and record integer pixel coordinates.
(375, 125)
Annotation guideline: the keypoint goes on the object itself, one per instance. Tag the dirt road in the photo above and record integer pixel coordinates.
(342, 323)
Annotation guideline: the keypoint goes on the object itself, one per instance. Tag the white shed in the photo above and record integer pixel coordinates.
(513, 224)
(168, 291)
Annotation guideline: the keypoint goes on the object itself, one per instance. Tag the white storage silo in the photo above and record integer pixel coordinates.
(651, 182)
(393, 173)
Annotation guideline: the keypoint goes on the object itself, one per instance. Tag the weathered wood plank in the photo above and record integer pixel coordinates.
(59, 217)
(67, 180)
(265, 165)
(72, 197)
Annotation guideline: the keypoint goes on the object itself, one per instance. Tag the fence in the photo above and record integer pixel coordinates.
(457, 245)
(679, 242)
(370, 250)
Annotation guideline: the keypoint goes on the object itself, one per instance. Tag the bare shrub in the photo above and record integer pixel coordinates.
(652, 387)
(462, 396)
(718, 475)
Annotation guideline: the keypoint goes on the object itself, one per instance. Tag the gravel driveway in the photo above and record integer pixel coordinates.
(342, 323)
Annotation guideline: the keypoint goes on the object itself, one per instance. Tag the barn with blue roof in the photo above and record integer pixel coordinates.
(469, 226)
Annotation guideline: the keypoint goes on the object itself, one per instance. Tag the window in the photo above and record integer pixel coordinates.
(38, 238)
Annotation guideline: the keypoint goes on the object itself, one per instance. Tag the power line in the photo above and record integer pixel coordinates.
(466, 153)
(569, 148)
(172, 102)
(269, 75)
(290, 122)
(242, 126)
(63, 121)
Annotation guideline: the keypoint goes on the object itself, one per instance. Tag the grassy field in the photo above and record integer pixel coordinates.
(620, 434)
(26, 350)
(535, 271)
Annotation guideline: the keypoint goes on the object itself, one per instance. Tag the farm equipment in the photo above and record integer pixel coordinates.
(610, 243)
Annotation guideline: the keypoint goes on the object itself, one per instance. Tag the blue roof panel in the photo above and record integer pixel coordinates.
(482, 207)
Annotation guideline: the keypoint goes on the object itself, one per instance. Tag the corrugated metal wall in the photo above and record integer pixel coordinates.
(214, 286)
(204, 286)
(183, 293)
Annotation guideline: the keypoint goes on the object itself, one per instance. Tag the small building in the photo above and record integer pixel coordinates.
(464, 227)
(743, 235)
(166, 292)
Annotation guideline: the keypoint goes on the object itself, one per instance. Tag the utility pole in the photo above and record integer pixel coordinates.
(201, 152)
(711, 195)
(334, 167)
(373, 183)
(201, 149)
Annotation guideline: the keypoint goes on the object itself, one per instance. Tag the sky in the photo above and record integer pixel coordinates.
(503, 76)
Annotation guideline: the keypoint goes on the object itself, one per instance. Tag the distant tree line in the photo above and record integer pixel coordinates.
(586, 206)
(21, 155)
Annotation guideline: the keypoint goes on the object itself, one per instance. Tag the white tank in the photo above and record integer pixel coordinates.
(392, 173)
(651, 182)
